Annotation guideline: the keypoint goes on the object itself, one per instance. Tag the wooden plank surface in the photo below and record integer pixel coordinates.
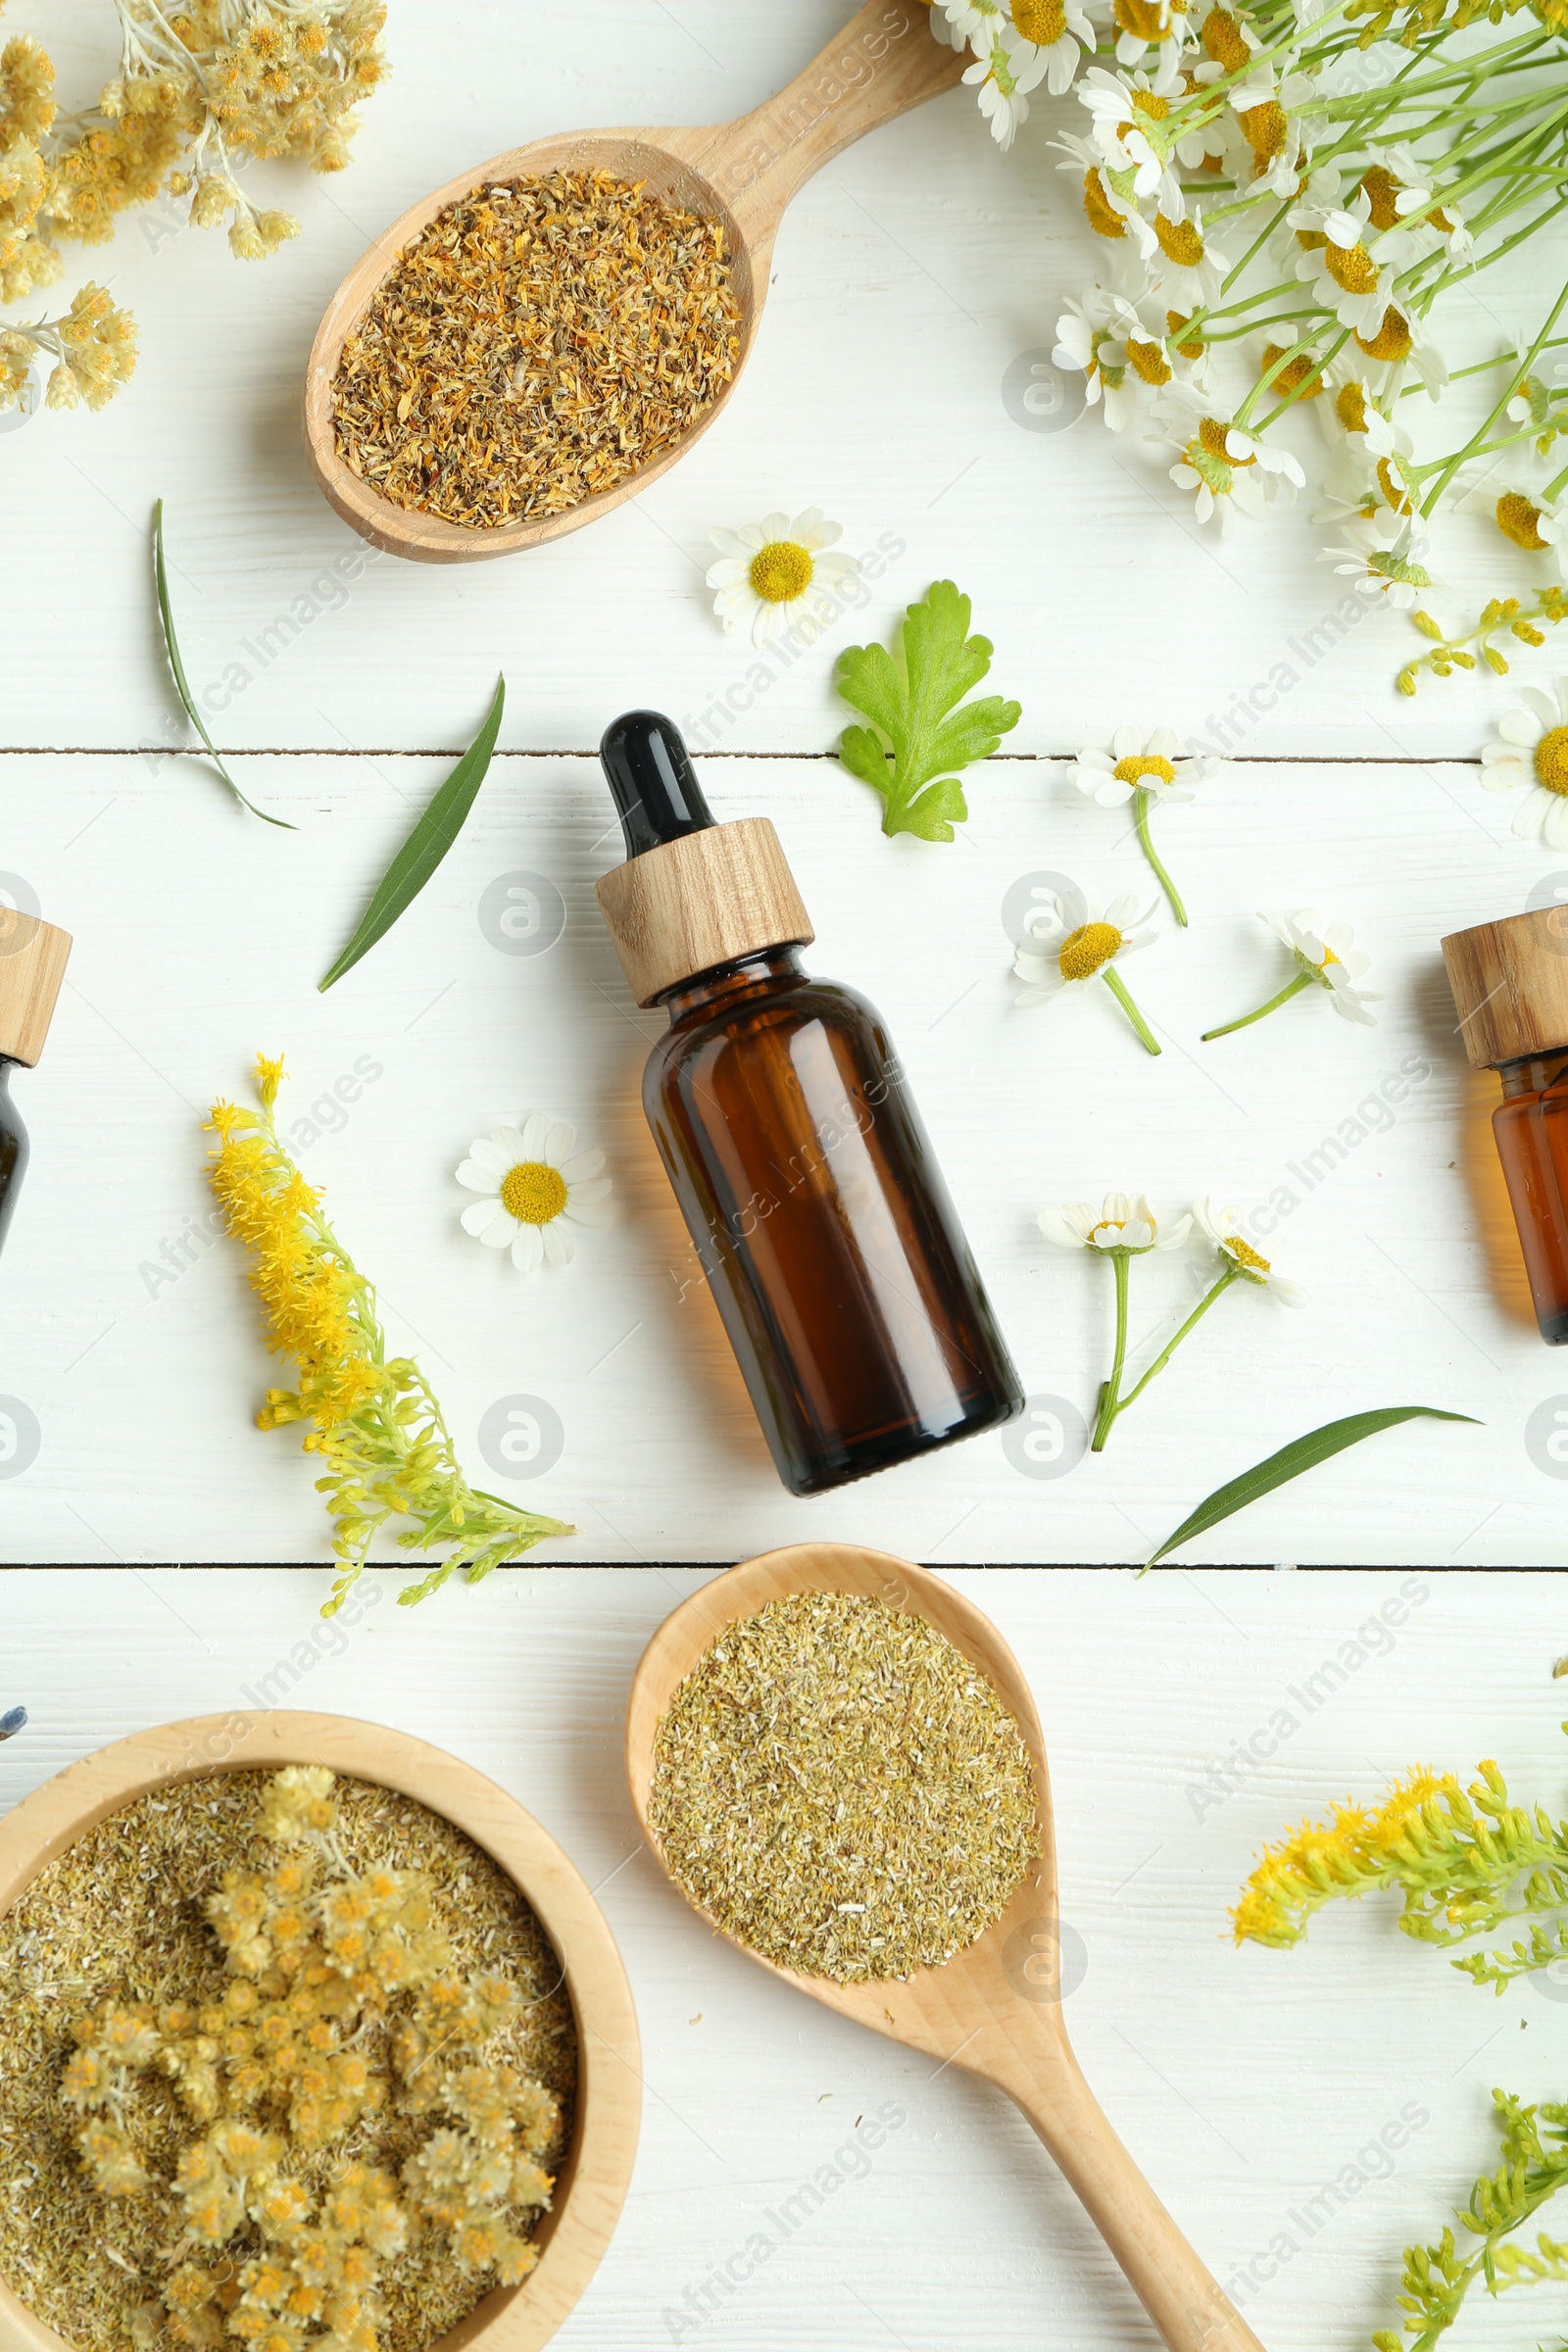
(1304, 2115)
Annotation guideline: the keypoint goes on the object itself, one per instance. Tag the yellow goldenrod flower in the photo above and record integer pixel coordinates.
(385, 1447)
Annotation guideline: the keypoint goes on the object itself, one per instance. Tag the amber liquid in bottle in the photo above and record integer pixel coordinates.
(1531, 1126)
(13, 1151)
(813, 1200)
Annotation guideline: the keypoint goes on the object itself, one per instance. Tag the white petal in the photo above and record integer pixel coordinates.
(508, 1140)
(588, 1212)
(591, 1189)
(474, 1179)
(1521, 727)
(1128, 743)
(1531, 814)
(527, 1250)
(773, 526)
(729, 574)
(484, 1153)
(558, 1144)
(556, 1244)
(581, 1167)
(1163, 742)
(1554, 830)
(500, 1228)
(536, 1129)
(477, 1215)
(732, 545)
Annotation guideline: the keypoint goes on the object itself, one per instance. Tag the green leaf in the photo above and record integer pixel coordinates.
(1302, 1454)
(172, 648)
(918, 735)
(428, 843)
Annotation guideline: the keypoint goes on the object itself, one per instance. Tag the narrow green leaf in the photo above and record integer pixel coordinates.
(1302, 1454)
(428, 843)
(172, 648)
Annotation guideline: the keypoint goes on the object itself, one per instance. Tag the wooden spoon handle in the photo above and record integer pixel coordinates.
(883, 62)
(1191, 2311)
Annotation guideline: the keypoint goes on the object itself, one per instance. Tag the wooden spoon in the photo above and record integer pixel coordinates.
(741, 174)
(995, 2009)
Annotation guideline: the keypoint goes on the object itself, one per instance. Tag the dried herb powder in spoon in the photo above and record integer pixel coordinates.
(842, 1789)
(536, 344)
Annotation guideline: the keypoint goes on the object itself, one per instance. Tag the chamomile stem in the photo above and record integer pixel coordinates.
(1108, 1406)
(1291, 988)
(1231, 1274)
(1141, 801)
(1118, 988)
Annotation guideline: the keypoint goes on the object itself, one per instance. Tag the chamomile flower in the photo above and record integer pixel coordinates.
(1265, 106)
(1110, 212)
(1226, 467)
(1145, 25)
(1397, 343)
(1192, 270)
(1385, 557)
(1120, 1224)
(1529, 749)
(1326, 956)
(1129, 111)
(1091, 944)
(1142, 768)
(1350, 410)
(780, 573)
(1061, 33)
(1222, 1226)
(1336, 264)
(1229, 45)
(1121, 358)
(533, 1188)
(1005, 71)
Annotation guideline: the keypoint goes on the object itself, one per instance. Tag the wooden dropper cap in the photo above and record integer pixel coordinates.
(33, 964)
(692, 894)
(1510, 986)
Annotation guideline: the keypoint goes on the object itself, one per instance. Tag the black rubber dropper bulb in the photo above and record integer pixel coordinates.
(651, 775)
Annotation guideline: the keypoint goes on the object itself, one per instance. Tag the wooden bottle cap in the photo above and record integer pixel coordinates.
(1510, 986)
(33, 964)
(704, 900)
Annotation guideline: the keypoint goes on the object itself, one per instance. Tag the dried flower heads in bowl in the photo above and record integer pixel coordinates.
(305, 2055)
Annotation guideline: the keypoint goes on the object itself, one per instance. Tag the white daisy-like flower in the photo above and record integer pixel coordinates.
(1360, 487)
(1228, 43)
(1060, 32)
(1409, 210)
(1401, 341)
(533, 1188)
(1005, 70)
(1121, 358)
(1110, 214)
(1385, 557)
(1350, 411)
(1192, 270)
(1140, 761)
(972, 21)
(1531, 749)
(1339, 266)
(1222, 1226)
(1327, 953)
(1090, 944)
(1129, 111)
(1266, 111)
(1120, 1224)
(1535, 522)
(1144, 24)
(779, 573)
(1224, 465)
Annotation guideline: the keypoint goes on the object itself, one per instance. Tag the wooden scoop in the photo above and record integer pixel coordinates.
(995, 2009)
(741, 174)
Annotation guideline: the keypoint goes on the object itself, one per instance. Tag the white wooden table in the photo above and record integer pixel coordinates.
(914, 280)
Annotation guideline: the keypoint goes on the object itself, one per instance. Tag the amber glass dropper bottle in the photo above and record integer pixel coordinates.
(33, 964)
(810, 1191)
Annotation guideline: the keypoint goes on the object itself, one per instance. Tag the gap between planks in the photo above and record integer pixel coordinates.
(455, 751)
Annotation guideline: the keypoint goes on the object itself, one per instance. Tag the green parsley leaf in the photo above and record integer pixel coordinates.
(912, 701)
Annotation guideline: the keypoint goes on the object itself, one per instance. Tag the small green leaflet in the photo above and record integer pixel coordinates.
(1302, 1454)
(172, 648)
(912, 703)
(428, 843)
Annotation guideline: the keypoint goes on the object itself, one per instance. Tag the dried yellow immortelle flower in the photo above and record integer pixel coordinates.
(201, 92)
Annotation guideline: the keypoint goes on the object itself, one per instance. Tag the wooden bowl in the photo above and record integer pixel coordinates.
(594, 2178)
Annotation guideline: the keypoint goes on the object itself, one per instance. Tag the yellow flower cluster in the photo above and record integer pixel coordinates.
(375, 1423)
(1467, 1861)
(343, 2002)
(201, 92)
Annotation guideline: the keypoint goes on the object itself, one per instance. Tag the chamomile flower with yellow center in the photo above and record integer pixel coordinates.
(1326, 956)
(1005, 71)
(782, 575)
(1227, 42)
(1144, 24)
(1109, 202)
(1120, 1224)
(1227, 468)
(1120, 355)
(533, 1189)
(1385, 557)
(1129, 113)
(1530, 752)
(1061, 33)
(1142, 768)
(1336, 264)
(1239, 1260)
(1085, 951)
(1191, 268)
(1266, 110)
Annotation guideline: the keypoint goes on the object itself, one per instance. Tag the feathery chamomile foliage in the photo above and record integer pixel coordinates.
(375, 1422)
(343, 2003)
(202, 90)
